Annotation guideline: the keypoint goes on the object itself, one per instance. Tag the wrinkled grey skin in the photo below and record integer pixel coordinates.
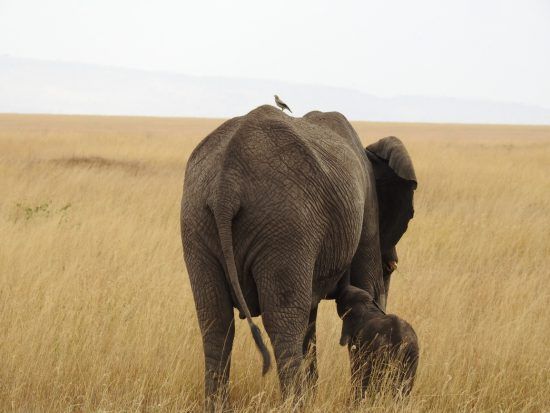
(372, 336)
(275, 211)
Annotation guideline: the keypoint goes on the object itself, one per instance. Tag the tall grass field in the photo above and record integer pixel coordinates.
(96, 311)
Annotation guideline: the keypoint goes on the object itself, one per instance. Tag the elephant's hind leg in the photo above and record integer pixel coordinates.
(218, 343)
(217, 325)
(287, 347)
(285, 297)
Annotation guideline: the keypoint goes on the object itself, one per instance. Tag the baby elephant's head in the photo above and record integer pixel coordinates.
(382, 347)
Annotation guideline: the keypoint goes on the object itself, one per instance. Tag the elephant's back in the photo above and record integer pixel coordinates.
(271, 147)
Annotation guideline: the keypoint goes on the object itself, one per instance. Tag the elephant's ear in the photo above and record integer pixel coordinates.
(392, 150)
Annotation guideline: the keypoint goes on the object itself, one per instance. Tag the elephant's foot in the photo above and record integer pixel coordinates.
(216, 391)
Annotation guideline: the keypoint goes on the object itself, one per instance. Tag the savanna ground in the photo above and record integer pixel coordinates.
(96, 308)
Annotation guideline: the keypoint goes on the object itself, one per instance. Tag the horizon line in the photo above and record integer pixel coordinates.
(221, 118)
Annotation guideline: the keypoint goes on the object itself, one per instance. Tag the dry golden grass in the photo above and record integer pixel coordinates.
(97, 313)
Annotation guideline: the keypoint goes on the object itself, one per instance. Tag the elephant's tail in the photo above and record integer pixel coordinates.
(223, 222)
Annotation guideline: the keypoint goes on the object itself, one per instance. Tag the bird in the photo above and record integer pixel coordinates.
(281, 104)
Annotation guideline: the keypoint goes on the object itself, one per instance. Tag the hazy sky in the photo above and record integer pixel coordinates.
(489, 49)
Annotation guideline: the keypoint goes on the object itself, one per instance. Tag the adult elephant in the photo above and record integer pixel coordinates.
(275, 211)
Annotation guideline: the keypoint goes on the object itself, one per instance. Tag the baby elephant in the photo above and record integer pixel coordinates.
(382, 347)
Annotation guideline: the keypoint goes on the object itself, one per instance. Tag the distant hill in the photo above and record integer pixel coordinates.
(36, 86)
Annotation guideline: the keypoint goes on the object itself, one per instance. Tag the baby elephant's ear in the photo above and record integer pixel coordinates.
(392, 150)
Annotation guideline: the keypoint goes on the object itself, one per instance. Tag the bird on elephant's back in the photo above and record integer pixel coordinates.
(276, 213)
